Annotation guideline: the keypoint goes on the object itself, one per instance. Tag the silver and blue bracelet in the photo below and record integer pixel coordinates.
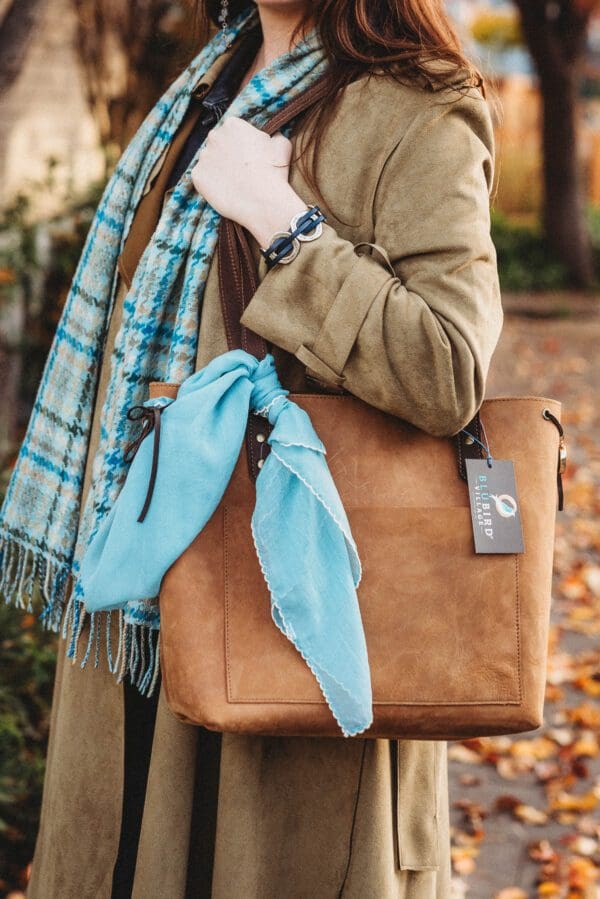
(285, 245)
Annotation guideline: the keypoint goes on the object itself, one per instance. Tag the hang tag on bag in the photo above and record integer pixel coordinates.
(495, 513)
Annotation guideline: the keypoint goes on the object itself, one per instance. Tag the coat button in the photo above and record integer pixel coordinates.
(260, 438)
(260, 463)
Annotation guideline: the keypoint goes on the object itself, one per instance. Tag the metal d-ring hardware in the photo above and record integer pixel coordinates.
(562, 455)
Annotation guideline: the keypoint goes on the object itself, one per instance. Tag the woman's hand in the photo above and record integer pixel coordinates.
(243, 173)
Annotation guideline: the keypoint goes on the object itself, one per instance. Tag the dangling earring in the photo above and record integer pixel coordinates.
(223, 20)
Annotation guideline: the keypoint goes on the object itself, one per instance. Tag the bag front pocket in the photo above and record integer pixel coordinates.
(430, 635)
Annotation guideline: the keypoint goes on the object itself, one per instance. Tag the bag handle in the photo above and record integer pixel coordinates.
(238, 282)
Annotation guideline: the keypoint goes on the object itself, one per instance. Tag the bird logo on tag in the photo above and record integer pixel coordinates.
(495, 512)
(506, 505)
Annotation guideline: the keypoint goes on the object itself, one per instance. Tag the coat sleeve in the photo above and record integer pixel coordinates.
(410, 325)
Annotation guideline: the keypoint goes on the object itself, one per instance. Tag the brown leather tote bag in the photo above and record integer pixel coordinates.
(457, 641)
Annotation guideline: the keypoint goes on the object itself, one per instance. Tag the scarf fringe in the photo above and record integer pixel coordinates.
(138, 646)
(26, 574)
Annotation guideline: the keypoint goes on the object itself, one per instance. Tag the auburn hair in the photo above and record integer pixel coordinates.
(405, 39)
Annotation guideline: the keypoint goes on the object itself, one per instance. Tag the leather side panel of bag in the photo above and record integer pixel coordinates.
(457, 641)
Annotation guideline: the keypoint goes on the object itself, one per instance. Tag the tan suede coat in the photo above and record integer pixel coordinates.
(410, 328)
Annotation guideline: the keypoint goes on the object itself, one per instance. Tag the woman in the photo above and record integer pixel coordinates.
(399, 156)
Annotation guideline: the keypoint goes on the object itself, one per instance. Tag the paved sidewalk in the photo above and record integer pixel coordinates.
(526, 815)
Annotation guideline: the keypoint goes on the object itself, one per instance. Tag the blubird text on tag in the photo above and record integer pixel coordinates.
(494, 502)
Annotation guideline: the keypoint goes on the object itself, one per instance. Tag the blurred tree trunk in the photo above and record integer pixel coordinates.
(555, 32)
(130, 50)
(17, 21)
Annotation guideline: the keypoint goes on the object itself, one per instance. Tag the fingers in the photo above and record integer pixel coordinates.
(240, 127)
(236, 132)
(281, 149)
(238, 145)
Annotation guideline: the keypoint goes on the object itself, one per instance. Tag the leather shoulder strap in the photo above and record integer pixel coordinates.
(238, 281)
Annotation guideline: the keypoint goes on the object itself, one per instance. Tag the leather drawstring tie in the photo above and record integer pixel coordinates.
(150, 418)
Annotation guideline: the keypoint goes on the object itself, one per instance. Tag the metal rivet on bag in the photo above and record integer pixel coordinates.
(260, 438)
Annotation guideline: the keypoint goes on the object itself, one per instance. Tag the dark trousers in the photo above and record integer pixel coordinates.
(140, 717)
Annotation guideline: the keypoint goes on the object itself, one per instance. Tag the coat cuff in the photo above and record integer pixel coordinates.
(340, 286)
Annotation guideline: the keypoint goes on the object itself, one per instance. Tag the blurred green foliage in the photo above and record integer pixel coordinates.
(526, 262)
(27, 660)
(498, 28)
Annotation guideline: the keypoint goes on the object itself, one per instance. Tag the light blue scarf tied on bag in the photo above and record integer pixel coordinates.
(300, 529)
(45, 530)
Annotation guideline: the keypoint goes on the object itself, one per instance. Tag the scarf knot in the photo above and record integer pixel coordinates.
(266, 389)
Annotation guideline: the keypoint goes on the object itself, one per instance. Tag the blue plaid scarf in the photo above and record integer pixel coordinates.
(43, 530)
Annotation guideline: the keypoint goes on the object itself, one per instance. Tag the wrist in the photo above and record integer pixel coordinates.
(274, 214)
